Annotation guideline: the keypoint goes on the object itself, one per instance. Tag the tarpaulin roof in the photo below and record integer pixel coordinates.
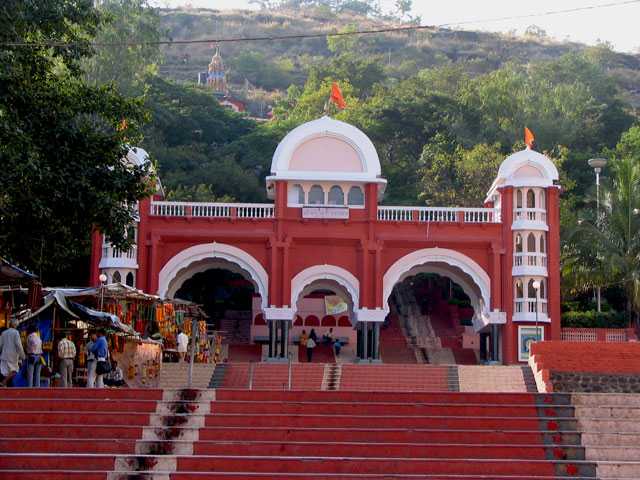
(11, 274)
(80, 312)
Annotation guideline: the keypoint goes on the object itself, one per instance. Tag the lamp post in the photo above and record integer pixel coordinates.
(598, 164)
(103, 279)
(536, 287)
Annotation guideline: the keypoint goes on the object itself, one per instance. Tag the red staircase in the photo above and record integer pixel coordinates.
(273, 376)
(393, 343)
(451, 336)
(364, 435)
(70, 433)
(57, 434)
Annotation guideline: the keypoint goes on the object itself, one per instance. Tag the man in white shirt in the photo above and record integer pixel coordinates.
(183, 343)
(11, 353)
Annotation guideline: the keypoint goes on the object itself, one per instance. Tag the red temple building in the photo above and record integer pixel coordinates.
(326, 238)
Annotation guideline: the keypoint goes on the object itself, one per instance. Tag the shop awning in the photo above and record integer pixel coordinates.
(10, 274)
(100, 319)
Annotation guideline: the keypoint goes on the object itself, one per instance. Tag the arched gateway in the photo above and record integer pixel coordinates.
(325, 254)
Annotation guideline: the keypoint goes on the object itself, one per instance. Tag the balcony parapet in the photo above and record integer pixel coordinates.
(212, 210)
(438, 214)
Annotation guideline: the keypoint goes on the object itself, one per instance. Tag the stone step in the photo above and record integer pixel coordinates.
(606, 425)
(613, 454)
(625, 400)
(618, 470)
(610, 439)
(603, 412)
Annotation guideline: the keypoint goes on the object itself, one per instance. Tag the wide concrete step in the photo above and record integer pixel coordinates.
(78, 405)
(74, 418)
(341, 451)
(626, 400)
(348, 408)
(590, 439)
(614, 454)
(369, 466)
(89, 475)
(607, 425)
(81, 393)
(617, 412)
(59, 431)
(618, 470)
(68, 445)
(375, 422)
(385, 397)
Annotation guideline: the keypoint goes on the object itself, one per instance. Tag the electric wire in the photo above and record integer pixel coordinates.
(272, 38)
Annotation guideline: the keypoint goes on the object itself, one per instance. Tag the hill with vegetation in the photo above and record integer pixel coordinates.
(274, 65)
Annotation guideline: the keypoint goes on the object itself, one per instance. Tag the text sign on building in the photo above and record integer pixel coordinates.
(338, 213)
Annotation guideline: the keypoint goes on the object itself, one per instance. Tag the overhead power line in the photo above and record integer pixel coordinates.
(271, 38)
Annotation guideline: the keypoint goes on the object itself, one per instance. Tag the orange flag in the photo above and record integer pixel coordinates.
(336, 96)
(529, 138)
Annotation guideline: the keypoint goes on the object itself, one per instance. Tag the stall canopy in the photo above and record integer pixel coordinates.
(10, 274)
(76, 311)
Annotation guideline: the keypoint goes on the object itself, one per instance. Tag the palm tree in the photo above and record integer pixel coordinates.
(606, 251)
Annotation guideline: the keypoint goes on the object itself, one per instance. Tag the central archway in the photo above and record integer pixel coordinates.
(200, 258)
(461, 269)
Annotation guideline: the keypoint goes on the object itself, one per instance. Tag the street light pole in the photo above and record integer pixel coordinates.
(103, 279)
(598, 164)
(536, 287)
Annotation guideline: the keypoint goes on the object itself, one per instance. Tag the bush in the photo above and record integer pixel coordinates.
(593, 319)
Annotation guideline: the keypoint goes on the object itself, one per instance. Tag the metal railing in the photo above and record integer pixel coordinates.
(438, 214)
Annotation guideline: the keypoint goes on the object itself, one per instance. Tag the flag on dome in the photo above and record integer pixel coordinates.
(529, 138)
(336, 96)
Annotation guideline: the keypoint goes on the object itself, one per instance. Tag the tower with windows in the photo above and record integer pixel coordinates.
(526, 193)
(122, 266)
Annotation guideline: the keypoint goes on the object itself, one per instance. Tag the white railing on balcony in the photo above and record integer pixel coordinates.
(530, 214)
(109, 251)
(527, 305)
(530, 260)
(438, 214)
(212, 210)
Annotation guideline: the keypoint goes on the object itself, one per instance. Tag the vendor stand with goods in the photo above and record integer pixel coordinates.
(60, 317)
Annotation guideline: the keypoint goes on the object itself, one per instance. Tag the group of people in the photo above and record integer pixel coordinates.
(310, 342)
(101, 370)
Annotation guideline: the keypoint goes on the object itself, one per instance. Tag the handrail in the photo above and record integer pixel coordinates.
(289, 370)
(251, 368)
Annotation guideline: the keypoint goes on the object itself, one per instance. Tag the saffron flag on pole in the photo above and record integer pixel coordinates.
(529, 138)
(336, 96)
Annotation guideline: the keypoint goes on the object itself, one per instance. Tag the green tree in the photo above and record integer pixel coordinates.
(455, 176)
(605, 251)
(133, 22)
(62, 143)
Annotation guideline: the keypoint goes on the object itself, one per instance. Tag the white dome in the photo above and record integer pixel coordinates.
(525, 168)
(137, 156)
(326, 149)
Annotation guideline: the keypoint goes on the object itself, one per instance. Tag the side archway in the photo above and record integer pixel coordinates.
(461, 269)
(319, 273)
(201, 257)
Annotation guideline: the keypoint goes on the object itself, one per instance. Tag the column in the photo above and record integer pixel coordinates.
(284, 338)
(365, 341)
(375, 354)
(495, 338)
(272, 338)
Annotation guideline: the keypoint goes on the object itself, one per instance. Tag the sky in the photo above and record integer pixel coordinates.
(618, 25)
